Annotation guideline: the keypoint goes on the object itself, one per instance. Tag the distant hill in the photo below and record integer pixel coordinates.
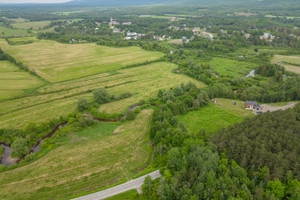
(182, 2)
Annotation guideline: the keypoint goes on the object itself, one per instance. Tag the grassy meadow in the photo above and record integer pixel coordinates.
(215, 116)
(224, 66)
(89, 160)
(7, 32)
(59, 62)
(14, 82)
(54, 100)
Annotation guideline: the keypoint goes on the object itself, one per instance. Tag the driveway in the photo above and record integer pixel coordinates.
(266, 107)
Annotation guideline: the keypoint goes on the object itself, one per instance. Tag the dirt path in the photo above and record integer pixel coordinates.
(133, 184)
(266, 107)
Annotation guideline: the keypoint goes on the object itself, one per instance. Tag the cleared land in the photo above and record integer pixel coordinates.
(215, 116)
(14, 82)
(230, 67)
(54, 100)
(58, 62)
(91, 160)
(291, 63)
(34, 25)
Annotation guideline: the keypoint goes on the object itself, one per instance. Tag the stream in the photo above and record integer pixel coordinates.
(7, 160)
(132, 108)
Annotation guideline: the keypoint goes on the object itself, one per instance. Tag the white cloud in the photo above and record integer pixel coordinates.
(33, 1)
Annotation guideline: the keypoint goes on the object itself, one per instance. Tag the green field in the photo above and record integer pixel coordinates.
(14, 82)
(54, 100)
(91, 160)
(58, 62)
(7, 32)
(230, 67)
(215, 116)
(35, 25)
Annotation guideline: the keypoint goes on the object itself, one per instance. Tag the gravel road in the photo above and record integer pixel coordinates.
(133, 184)
(266, 107)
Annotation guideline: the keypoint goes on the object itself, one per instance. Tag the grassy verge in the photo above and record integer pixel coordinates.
(129, 195)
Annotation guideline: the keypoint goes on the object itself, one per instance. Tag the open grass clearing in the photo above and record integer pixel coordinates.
(35, 25)
(215, 116)
(224, 66)
(14, 82)
(273, 16)
(58, 62)
(54, 100)
(85, 163)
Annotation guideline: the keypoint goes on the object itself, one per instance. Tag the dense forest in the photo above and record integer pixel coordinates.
(270, 140)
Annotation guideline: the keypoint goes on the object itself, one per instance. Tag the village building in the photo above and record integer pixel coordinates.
(252, 105)
(247, 35)
(113, 22)
(268, 37)
(131, 33)
(127, 23)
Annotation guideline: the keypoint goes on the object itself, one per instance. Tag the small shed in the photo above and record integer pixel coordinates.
(214, 101)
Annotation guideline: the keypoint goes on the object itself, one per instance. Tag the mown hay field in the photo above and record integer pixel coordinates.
(213, 117)
(54, 100)
(14, 82)
(291, 63)
(89, 160)
(35, 25)
(58, 62)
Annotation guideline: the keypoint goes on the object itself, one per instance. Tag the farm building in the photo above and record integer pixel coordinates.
(252, 105)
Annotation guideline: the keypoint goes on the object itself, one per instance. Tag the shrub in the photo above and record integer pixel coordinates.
(137, 110)
(130, 115)
(82, 105)
(20, 147)
(2, 168)
(101, 96)
(1, 150)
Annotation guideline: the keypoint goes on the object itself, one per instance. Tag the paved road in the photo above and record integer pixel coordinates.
(133, 184)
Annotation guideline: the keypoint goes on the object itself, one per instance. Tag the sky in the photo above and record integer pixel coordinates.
(33, 1)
